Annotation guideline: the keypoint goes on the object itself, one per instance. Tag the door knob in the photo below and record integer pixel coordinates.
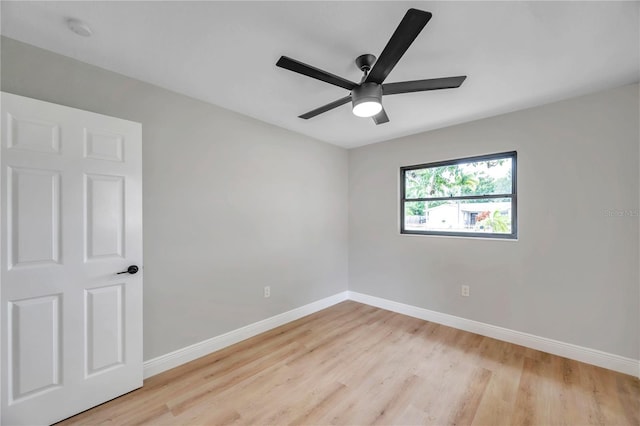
(130, 270)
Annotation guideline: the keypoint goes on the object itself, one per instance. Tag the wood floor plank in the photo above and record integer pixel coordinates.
(467, 405)
(355, 364)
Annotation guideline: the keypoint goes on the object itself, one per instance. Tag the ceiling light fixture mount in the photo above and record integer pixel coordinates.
(79, 27)
(364, 63)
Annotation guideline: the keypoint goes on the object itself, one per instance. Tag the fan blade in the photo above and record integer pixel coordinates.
(326, 107)
(381, 117)
(313, 72)
(422, 85)
(410, 26)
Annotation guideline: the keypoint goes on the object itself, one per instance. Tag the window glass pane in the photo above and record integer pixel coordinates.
(486, 177)
(415, 215)
(481, 216)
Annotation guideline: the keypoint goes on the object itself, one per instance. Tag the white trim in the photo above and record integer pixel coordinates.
(181, 356)
(579, 353)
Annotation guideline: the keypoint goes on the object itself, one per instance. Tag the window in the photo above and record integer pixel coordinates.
(473, 197)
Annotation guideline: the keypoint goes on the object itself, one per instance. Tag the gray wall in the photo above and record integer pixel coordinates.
(239, 204)
(231, 204)
(573, 273)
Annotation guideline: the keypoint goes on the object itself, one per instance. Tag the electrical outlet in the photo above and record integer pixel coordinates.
(464, 290)
(267, 291)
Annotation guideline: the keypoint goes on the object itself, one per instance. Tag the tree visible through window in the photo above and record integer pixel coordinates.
(473, 196)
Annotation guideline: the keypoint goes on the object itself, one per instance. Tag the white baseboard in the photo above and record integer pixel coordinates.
(173, 359)
(590, 356)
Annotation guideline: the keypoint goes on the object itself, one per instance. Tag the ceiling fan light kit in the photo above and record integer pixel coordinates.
(366, 97)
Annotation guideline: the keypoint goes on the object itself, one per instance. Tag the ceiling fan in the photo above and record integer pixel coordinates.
(366, 96)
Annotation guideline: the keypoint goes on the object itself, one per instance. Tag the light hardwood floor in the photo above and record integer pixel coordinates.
(354, 364)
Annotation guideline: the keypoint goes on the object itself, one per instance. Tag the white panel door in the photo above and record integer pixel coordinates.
(71, 219)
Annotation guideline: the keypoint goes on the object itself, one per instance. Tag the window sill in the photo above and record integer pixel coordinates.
(459, 237)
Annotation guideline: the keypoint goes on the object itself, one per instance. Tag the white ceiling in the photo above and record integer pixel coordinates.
(515, 54)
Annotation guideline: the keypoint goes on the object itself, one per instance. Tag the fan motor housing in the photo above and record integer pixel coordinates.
(370, 91)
